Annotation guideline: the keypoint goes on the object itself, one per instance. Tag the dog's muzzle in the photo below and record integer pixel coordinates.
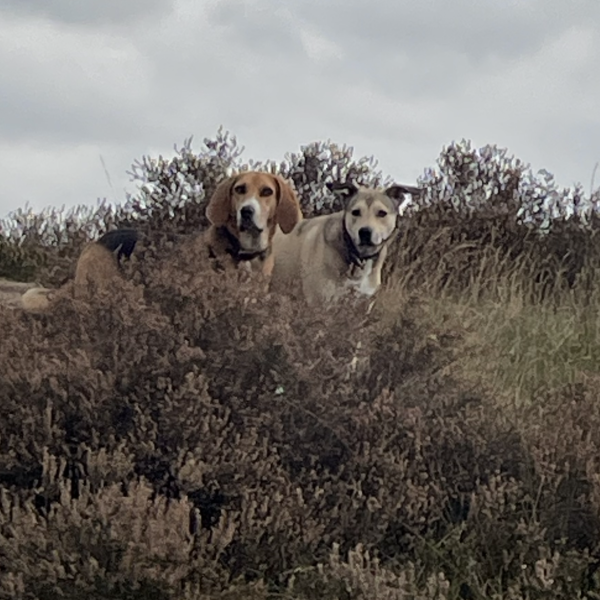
(247, 223)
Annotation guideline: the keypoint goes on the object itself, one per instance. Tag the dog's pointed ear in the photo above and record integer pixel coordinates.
(218, 209)
(288, 211)
(343, 190)
(396, 192)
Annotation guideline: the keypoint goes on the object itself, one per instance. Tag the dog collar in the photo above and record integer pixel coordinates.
(238, 253)
(241, 256)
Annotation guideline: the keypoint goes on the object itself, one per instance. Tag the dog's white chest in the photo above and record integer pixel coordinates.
(363, 280)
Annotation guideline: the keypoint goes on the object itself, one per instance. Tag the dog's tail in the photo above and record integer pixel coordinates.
(37, 299)
(123, 240)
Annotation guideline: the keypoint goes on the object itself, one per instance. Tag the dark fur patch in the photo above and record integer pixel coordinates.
(122, 239)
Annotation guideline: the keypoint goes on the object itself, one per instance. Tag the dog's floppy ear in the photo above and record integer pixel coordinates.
(288, 211)
(344, 190)
(219, 206)
(396, 192)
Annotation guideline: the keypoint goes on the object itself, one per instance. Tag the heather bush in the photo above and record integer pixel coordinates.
(186, 436)
(483, 214)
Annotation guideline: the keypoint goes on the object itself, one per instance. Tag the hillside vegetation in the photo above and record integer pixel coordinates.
(185, 437)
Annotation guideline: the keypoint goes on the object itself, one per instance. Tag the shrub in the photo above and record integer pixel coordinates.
(186, 436)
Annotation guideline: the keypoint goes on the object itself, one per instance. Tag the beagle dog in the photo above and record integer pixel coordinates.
(326, 256)
(244, 213)
(99, 264)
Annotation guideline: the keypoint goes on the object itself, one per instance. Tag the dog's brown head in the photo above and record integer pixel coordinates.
(370, 215)
(251, 205)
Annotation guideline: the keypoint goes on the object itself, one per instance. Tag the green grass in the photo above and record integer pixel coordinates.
(514, 347)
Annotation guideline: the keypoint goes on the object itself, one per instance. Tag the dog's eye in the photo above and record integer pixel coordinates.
(240, 189)
(266, 192)
(382, 214)
(356, 212)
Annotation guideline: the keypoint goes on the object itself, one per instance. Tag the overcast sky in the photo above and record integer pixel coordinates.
(397, 79)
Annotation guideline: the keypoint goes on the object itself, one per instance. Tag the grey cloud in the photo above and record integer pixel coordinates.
(410, 77)
(478, 29)
(27, 118)
(68, 101)
(79, 12)
(583, 140)
(262, 28)
(418, 49)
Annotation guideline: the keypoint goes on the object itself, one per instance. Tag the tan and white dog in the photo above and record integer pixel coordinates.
(245, 211)
(98, 266)
(325, 257)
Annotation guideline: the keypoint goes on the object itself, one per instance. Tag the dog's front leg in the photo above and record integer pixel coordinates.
(375, 276)
(268, 265)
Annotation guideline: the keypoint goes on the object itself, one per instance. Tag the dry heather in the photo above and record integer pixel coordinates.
(186, 437)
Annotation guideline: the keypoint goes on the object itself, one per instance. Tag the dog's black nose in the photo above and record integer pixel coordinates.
(364, 234)
(247, 213)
